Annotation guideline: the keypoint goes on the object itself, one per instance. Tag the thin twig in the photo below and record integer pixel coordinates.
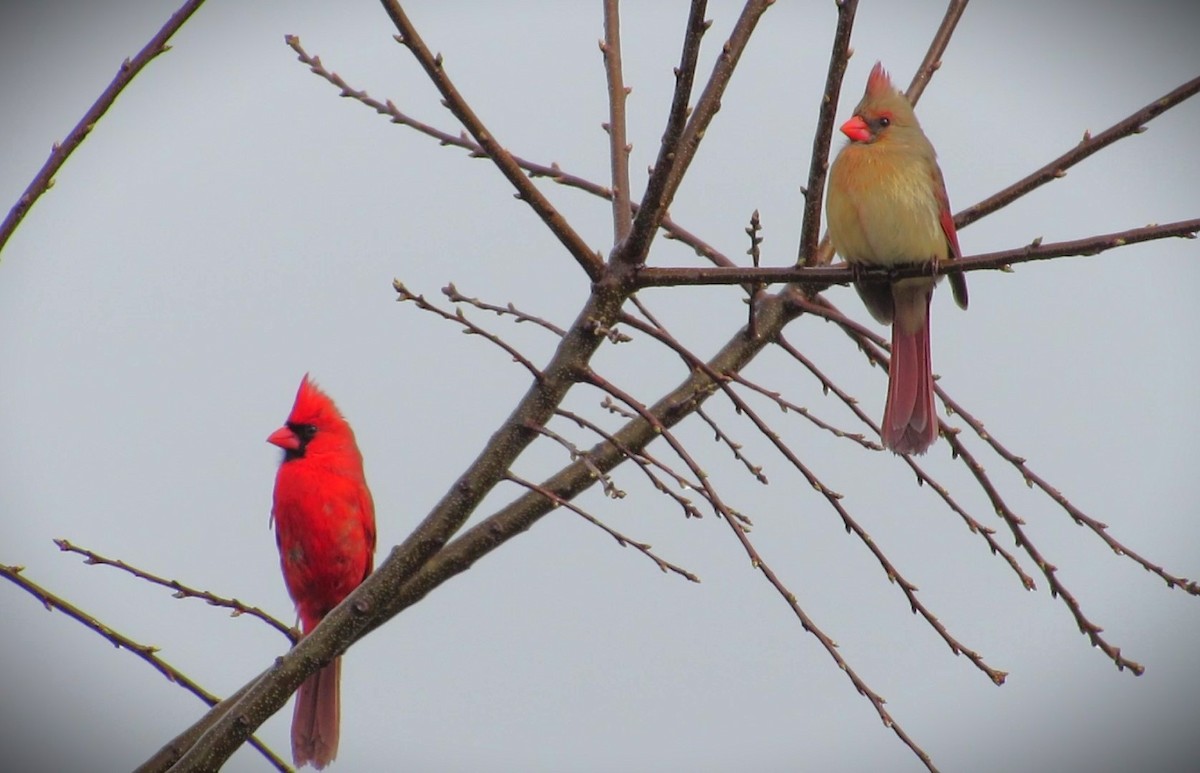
(654, 207)
(44, 179)
(839, 56)
(553, 171)
(606, 482)
(1049, 571)
(831, 496)
(757, 562)
(755, 291)
(933, 56)
(1134, 124)
(451, 292)
(1081, 518)
(469, 327)
(852, 526)
(722, 436)
(146, 652)
(644, 461)
(1015, 525)
(821, 276)
(787, 405)
(622, 540)
(180, 590)
(587, 258)
(657, 196)
(987, 533)
(618, 142)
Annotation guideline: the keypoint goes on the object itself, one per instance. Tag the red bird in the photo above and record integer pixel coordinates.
(887, 206)
(325, 528)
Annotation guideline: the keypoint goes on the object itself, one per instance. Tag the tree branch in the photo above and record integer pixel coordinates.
(823, 276)
(587, 258)
(933, 57)
(673, 163)
(44, 179)
(144, 651)
(181, 591)
(633, 249)
(622, 540)
(839, 56)
(1134, 124)
(618, 140)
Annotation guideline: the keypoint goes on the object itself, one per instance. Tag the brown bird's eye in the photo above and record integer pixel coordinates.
(885, 122)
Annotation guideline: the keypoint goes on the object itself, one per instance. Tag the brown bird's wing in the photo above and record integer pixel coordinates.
(958, 282)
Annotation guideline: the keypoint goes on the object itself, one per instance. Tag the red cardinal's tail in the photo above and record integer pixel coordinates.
(316, 718)
(910, 423)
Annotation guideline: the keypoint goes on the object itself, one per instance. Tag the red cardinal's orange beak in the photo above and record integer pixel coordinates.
(856, 129)
(284, 438)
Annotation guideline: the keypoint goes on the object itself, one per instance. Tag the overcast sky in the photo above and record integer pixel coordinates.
(232, 224)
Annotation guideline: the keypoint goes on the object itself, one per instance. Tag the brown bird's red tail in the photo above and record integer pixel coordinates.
(317, 717)
(910, 422)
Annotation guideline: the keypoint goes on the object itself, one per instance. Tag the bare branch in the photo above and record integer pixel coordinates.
(1081, 518)
(672, 164)
(1049, 571)
(754, 231)
(526, 190)
(622, 540)
(1015, 524)
(933, 57)
(723, 437)
(831, 496)
(821, 276)
(181, 591)
(606, 482)
(656, 198)
(706, 489)
(1134, 124)
(618, 142)
(973, 525)
(644, 460)
(451, 292)
(786, 405)
(469, 327)
(757, 562)
(146, 652)
(554, 172)
(44, 179)
(839, 56)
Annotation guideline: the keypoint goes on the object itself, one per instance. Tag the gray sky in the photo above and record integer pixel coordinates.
(232, 224)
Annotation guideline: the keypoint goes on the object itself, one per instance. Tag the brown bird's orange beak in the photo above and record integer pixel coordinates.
(856, 129)
(284, 438)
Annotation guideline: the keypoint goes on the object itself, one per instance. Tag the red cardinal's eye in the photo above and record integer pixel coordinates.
(885, 122)
(304, 431)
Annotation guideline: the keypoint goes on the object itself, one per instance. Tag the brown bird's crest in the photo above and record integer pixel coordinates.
(879, 83)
